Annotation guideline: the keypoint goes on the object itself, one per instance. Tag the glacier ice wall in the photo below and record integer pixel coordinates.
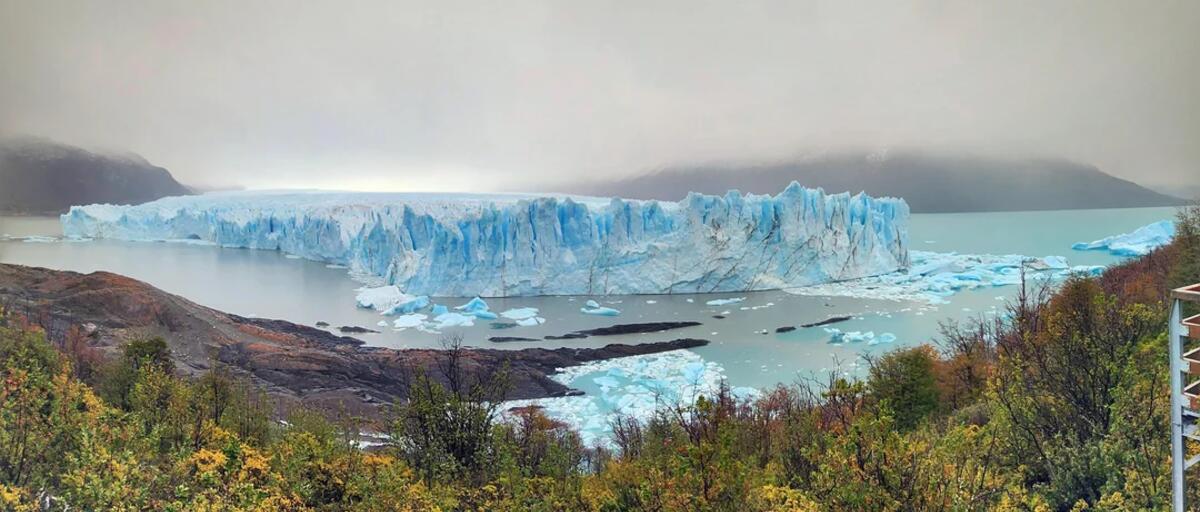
(511, 245)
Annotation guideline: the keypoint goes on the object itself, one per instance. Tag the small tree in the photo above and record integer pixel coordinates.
(118, 377)
(903, 381)
(446, 424)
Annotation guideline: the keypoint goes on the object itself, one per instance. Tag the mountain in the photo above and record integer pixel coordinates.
(39, 176)
(929, 183)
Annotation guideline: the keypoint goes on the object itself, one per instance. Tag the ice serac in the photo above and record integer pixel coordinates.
(509, 245)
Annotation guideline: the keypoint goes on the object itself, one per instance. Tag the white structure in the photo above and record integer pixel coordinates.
(1185, 399)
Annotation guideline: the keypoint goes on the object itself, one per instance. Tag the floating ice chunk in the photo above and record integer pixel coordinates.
(451, 319)
(473, 305)
(519, 313)
(598, 310)
(835, 335)
(886, 337)
(690, 301)
(592, 304)
(390, 300)
(1140, 241)
(439, 309)
(858, 336)
(484, 315)
(531, 321)
(382, 323)
(651, 301)
(725, 302)
(410, 305)
(39, 239)
(411, 320)
(379, 298)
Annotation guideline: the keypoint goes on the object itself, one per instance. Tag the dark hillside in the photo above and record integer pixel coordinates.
(38, 176)
(930, 183)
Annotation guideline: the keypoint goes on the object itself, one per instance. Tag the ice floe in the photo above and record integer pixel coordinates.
(725, 302)
(594, 308)
(1140, 241)
(407, 321)
(390, 300)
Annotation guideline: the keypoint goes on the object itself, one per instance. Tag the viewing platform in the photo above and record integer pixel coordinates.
(1185, 388)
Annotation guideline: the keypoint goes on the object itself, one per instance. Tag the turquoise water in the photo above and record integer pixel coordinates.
(268, 284)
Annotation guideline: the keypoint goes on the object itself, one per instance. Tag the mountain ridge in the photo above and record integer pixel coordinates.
(929, 183)
(39, 176)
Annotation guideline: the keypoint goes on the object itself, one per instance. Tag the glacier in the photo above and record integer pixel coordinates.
(496, 245)
(1138, 243)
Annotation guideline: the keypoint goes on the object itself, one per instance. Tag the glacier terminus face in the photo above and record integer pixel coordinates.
(464, 245)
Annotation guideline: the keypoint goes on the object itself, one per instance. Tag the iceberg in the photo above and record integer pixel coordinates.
(466, 245)
(390, 300)
(1141, 241)
(473, 306)
(519, 313)
(594, 308)
(452, 319)
(411, 320)
(477, 308)
(408, 306)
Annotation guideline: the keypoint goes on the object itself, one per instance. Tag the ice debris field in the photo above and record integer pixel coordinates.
(634, 386)
(934, 276)
(517, 245)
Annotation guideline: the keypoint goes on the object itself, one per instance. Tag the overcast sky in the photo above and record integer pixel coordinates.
(482, 95)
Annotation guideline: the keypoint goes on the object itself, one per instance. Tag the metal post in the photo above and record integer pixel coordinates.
(1175, 340)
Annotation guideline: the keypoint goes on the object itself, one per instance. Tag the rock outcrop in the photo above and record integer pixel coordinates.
(293, 363)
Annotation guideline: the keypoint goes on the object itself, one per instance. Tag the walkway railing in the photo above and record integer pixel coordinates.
(1185, 394)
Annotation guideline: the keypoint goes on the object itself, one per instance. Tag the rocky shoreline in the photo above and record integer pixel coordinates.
(296, 364)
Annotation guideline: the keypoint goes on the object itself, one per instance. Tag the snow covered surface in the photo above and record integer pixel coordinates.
(633, 386)
(1140, 241)
(463, 245)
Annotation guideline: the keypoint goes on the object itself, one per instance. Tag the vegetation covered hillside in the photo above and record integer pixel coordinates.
(1063, 406)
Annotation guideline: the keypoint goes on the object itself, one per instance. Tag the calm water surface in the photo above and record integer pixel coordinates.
(268, 284)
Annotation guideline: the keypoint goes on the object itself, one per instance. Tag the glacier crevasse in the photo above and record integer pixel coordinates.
(465, 245)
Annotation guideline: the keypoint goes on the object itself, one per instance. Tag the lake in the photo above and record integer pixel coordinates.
(272, 285)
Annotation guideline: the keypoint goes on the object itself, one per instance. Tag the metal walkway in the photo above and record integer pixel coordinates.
(1185, 397)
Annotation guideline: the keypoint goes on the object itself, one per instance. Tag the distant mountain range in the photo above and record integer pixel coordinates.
(39, 176)
(930, 183)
